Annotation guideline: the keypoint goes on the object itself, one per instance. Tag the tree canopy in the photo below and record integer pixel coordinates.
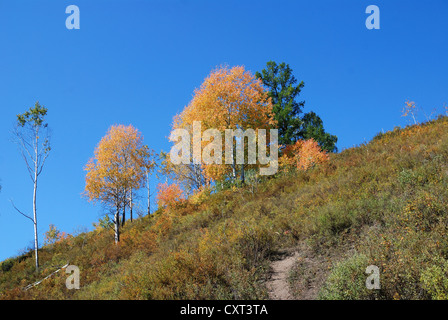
(229, 98)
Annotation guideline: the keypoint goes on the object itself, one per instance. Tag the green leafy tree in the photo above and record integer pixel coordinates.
(284, 89)
(104, 223)
(52, 235)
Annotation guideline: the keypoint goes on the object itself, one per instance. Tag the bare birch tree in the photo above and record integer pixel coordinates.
(32, 135)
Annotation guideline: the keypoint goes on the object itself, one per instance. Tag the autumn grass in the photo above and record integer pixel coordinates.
(386, 200)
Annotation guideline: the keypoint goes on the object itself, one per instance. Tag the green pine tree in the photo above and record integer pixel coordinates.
(284, 90)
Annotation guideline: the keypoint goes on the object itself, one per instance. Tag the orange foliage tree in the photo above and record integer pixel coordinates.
(229, 98)
(118, 167)
(304, 154)
(169, 195)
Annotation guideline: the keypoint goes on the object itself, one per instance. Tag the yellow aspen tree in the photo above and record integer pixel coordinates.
(228, 99)
(118, 167)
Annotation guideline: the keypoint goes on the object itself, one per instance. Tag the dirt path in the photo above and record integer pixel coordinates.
(278, 285)
(307, 268)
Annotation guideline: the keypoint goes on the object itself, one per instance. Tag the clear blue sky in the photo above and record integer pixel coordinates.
(138, 62)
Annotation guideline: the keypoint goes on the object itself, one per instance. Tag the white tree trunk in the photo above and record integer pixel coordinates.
(36, 244)
(117, 224)
(149, 192)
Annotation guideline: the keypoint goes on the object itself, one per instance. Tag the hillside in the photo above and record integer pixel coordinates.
(383, 203)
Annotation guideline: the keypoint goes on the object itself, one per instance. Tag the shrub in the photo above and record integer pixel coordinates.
(7, 265)
(347, 281)
(435, 279)
(52, 235)
(169, 195)
(304, 155)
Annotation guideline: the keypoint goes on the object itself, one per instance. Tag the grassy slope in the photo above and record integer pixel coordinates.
(382, 203)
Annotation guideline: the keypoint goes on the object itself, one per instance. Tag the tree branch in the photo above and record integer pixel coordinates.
(20, 211)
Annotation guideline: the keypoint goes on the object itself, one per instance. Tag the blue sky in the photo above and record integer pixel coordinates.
(138, 62)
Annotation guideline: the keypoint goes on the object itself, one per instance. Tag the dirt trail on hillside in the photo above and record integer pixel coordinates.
(278, 284)
(310, 272)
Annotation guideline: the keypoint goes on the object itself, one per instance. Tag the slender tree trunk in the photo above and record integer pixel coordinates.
(242, 174)
(125, 200)
(149, 193)
(117, 224)
(36, 244)
(124, 214)
(130, 204)
(234, 162)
